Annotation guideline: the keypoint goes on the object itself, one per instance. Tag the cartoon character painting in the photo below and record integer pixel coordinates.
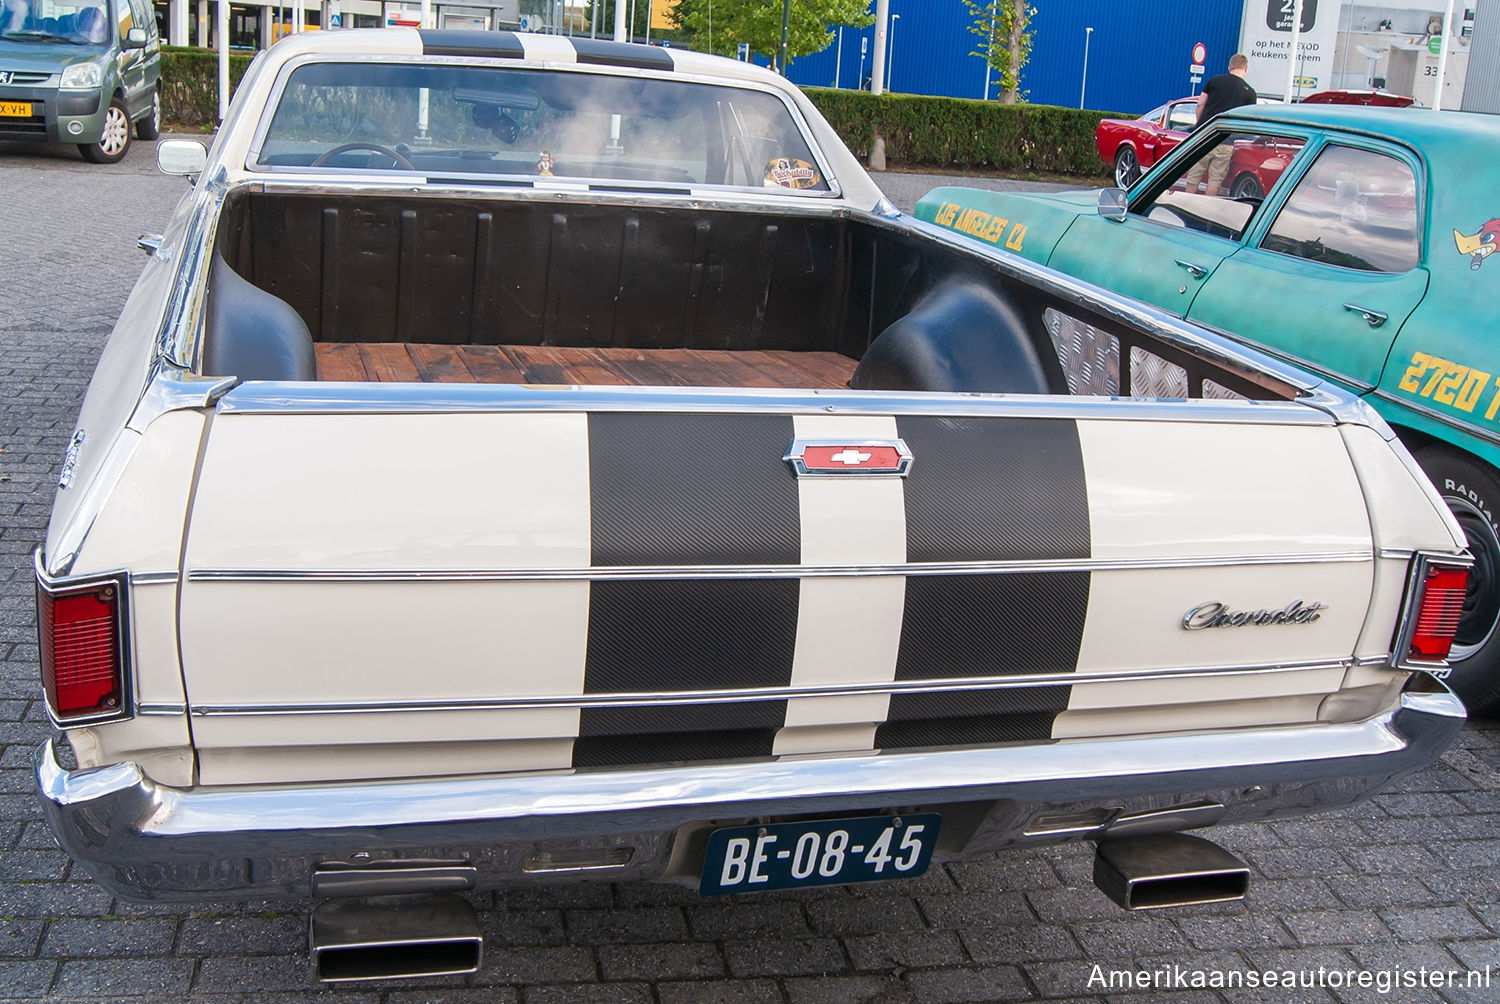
(1479, 246)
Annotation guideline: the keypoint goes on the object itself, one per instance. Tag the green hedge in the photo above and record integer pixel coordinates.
(958, 133)
(919, 131)
(190, 84)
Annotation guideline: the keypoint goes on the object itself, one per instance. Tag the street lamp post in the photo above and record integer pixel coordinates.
(891, 53)
(1084, 87)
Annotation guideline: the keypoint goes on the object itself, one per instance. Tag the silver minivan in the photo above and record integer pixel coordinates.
(80, 71)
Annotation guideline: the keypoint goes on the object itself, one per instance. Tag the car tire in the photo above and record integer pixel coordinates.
(1246, 187)
(149, 128)
(1472, 490)
(1127, 167)
(115, 142)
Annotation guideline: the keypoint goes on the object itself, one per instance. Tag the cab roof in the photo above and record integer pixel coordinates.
(1422, 128)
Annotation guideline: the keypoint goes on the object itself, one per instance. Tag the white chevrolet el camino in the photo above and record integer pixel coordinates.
(532, 459)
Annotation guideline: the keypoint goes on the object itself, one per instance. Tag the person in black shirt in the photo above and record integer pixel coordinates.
(1221, 93)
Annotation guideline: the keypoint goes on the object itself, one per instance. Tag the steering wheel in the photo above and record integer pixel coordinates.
(396, 158)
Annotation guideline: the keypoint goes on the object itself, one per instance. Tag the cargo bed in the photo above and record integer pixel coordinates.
(409, 362)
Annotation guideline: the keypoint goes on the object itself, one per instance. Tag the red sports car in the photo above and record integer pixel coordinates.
(1134, 145)
(1383, 98)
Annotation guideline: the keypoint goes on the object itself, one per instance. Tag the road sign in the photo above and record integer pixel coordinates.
(864, 46)
(743, 52)
(1200, 54)
(1196, 69)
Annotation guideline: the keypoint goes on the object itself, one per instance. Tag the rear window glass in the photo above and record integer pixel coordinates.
(463, 120)
(1353, 208)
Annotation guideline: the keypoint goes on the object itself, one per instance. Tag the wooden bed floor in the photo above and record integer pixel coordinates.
(546, 364)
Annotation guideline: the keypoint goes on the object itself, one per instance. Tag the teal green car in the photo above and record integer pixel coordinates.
(85, 72)
(1353, 242)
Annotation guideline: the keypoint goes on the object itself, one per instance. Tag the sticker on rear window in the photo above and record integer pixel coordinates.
(788, 172)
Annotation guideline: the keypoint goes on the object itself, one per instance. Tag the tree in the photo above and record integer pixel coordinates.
(1005, 44)
(721, 25)
(635, 27)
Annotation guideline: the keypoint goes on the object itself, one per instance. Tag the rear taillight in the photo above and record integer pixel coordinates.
(1435, 604)
(82, 651)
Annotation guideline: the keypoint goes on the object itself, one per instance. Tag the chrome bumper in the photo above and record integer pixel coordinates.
(146, 840)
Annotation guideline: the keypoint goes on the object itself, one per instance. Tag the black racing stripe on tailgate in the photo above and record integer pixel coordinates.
(685, 489)
(614, 737)
(673, 635)
(975, 730)
(719, 717)
(455, 42)
(672, 747)
(607, 53)
(995, 489)
(965, 718)
(992, 625)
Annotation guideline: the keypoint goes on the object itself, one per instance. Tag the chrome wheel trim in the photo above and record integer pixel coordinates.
(116, 131)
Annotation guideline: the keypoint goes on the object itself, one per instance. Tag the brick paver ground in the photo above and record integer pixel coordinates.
(1409, 879)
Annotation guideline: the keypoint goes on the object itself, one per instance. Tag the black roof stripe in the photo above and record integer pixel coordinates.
(607, 53)
(457, 42)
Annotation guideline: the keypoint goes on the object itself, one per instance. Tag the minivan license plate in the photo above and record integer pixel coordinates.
(817, 852)
(15, 109)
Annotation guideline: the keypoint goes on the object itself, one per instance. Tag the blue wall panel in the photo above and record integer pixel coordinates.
(1139, 52)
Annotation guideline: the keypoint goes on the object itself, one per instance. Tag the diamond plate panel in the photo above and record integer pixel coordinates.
(1153, 376)
(1090, 358)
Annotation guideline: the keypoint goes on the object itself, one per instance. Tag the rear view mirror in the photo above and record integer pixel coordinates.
(181, 156)
(135, 38)
(1114, 203)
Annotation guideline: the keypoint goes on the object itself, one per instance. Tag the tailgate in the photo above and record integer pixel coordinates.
(588, 583)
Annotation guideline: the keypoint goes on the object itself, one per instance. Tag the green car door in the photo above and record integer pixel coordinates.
(1183, 223)
(1331, 272)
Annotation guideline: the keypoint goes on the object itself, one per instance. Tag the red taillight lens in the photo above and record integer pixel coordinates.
(83, 673)
(1437, 617)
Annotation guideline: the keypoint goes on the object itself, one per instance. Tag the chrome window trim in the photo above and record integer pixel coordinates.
(750, 696)
(319, 398)
(1406, 625)
(66, 585)
(285, 71)
(638, 572)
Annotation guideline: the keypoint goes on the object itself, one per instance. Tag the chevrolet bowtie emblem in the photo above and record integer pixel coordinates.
(820, 458)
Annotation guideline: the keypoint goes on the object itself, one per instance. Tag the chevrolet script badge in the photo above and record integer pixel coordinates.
(837, 458)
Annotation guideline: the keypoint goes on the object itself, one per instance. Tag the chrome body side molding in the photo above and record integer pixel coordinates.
(754, 695)
(638, 572)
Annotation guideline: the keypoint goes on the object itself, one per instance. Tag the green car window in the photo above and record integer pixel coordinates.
(1218, 191)
(1354, 209)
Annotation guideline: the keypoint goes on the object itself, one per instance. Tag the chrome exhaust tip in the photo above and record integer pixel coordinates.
(399, 938)
(1169, 869)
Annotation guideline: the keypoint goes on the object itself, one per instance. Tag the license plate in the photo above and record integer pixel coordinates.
(819, 852)
(15, 109)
